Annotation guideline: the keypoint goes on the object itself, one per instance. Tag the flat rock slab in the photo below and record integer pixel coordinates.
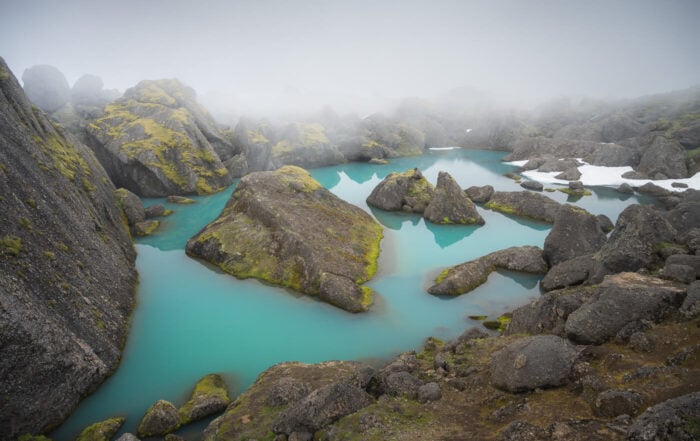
(526, 204)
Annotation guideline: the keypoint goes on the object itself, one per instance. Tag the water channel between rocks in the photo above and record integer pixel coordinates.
(192, 320)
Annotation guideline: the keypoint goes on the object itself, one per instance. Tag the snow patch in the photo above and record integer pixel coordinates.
(444, 148)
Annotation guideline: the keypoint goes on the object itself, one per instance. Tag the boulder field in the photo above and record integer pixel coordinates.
(284, 228)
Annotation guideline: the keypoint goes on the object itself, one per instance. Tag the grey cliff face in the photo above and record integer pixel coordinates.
(67, 272)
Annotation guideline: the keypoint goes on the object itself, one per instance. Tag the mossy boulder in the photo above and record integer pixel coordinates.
(146, 228)
(160, 419)
(102, 431)
(284, 228)
(305, 145)
(450, 204)
(408, 191)
(526, 204)
(465, 277)
(156, 140)
(209, 397)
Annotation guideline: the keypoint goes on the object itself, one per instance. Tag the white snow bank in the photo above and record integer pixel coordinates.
(444, 148)
(606, 176)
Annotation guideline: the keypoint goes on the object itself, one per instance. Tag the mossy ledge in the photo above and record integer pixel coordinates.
(284, 228)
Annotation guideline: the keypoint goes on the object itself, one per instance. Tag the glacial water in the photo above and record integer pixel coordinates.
(192, 320)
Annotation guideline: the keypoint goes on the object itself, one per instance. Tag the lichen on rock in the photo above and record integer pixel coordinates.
(408, 191)
(284, 228)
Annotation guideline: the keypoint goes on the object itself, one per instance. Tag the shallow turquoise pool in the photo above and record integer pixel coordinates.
(192, 320)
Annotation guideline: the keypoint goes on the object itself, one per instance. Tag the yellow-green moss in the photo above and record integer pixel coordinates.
(508, 209)
(367, 296)
(146, 228)
(11, 245)
(26, 223)
(102, 431)
(4, 74)
(65, 158)
(256, 137)
(571, 192)
(298, 178)
(49, 255)
(313, 134)
(210, 386)
(29, 437)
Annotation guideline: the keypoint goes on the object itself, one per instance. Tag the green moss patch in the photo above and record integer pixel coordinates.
(102, 431)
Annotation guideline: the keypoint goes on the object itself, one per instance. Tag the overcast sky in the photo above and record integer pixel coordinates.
(248, 51)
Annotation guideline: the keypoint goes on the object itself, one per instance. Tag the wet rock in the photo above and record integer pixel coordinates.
(465, 277)
(524, 203)
(156, 210)
(450, 205)
(532, 185)
(102, 431)
(160, 419)
(672, 420)
(284, 228)
(480, 195)
(533, 362)
(575, 233)
(321, 408)
(615, 402)
(209, 397)
(429, 392)
(408, 191)
(618, 301)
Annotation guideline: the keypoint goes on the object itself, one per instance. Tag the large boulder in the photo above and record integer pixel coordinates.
(67, 274)
(575, 233)
(131, 206)
(664, 156)
(47, 87)
(466, 276)
(526, 204)
(480, 194)
(450, 205)
(157, 140)
(321, 408)
(284, 228)
(304, 145)
(533, 362)
(209, 397)
(407, 191)
(620, 300)
(596, 153)
(672, 420)
(569, 273)
(160, 419)
(639, 231)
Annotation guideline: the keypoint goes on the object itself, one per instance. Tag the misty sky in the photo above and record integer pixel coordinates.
(254, 51)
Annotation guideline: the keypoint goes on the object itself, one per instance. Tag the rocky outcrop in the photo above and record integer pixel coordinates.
(575, 233)
(465, 277)
(209, 397)
(304, 145)
(67, 273)
(284, 228)
(102, 431)
(533, 362)
(408, 191)
(160, 419)
(156, 140)
(526, 204)
(596, 153)
(480, 195)
(450, 205)
(595, 314)
(673, 420)
(570, 272)
(47, 87)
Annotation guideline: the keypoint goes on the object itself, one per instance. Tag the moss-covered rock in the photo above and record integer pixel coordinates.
(305, 145)
(180, 200)
(102, 431)
(160, 419)
(450, 204)
(156, 140)
(210, 396)
(407, 191)
(283, 227)
(524, 203)
(146, 228)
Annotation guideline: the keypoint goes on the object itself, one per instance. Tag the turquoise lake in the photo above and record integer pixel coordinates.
(191, 320)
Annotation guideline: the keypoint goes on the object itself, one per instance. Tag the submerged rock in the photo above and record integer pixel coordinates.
(524, 203)
(465, 277)
(283, 227)
(209, 397)
(533, 362)
(407, 191)
(156, 140)
(450, 205)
